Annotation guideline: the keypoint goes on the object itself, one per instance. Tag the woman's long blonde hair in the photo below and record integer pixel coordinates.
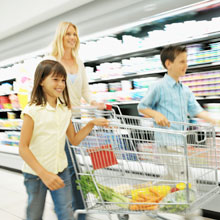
(57, 44)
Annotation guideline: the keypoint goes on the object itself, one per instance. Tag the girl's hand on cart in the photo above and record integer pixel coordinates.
(52, 181)
(100, 122)
(161, 119)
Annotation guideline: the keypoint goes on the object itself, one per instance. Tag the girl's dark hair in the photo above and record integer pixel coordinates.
(170, 53)
(44, 69)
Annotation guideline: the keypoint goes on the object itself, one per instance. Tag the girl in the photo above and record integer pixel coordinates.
(46, 122)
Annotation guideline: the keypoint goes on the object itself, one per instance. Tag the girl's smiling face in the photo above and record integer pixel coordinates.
(53, 87)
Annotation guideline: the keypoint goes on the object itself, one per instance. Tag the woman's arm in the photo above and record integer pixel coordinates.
(51, 180)
(76, 138)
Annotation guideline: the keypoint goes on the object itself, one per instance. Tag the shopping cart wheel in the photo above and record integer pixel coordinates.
(123, 216)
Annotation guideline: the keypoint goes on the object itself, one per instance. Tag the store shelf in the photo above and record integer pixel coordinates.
(10, 129)
(132, 102)
(8, 93)
(124, 103)
(154, 48)
(9, 157)
(128, 76)
(9, 149)
(10, 110)
(7, 79)
(190, 69)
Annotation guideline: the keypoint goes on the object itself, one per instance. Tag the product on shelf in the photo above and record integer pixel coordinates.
(10, 138)
(5, 103)
(11, 115)
(13, 124)
(14, 101)
(203, 83)
(6, 88)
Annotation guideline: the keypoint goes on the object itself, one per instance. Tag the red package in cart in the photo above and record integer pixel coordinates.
(102, 157)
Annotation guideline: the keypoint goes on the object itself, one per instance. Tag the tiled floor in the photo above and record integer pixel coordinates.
(13, 201)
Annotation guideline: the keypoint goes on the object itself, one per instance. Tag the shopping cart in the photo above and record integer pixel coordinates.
(135, 167)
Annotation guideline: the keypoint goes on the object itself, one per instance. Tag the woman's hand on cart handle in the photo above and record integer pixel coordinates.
(100, 122)
(98, 105)
(101, 105)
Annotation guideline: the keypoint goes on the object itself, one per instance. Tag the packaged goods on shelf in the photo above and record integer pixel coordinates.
(187, 30)
(11, 115)
(99, 87)
(144, 82)
(109, 70)
(14, 101)
(13, 135)
(101, 47)
(131, 43)
(91, 74)
(14, 124)
(126, 85)
(6, 88)
(203, 83)
(213, 108)
(5, 103)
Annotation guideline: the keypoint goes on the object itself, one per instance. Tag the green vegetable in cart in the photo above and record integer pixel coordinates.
(88, 186)
(177, 197)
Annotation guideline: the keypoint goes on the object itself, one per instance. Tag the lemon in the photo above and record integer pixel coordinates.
(182, 186)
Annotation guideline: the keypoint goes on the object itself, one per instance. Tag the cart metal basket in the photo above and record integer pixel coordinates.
(134, 166)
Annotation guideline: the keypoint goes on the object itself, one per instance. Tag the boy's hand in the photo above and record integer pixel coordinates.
(100, 122)
(52, 181)
(161, 120)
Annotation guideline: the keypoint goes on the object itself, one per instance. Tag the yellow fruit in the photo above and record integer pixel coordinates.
(162, 190)
(182, 186)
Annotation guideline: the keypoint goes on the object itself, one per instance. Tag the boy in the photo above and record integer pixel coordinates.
(170, 100)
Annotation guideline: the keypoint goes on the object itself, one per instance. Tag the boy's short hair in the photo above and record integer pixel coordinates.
(170, 53)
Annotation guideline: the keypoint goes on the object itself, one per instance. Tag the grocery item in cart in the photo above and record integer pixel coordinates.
(178, 201)
(102, 157)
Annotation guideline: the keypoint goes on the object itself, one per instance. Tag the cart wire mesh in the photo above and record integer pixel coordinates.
(135, 166)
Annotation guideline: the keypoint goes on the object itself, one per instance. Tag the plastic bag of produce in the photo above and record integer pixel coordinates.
(177, 201)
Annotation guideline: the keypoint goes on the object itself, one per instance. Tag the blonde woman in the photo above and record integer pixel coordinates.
(65, 48)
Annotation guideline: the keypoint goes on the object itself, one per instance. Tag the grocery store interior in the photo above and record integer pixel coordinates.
(120, 44)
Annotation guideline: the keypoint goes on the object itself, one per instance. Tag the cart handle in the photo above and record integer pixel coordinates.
(109, 107)
(196, 138)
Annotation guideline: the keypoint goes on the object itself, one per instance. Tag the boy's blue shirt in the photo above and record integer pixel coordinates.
(174, 100)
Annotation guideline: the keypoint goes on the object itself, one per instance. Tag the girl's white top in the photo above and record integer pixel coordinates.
(48, 139)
